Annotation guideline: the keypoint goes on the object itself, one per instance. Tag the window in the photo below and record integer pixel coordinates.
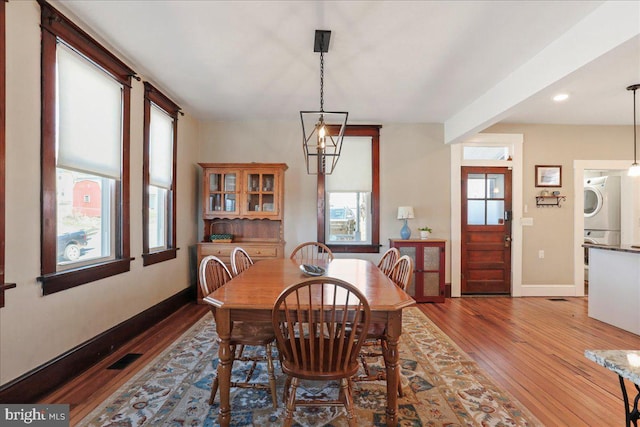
(159, 171)
(85, 163)
(350, 197)
(485, 199)
(491, 152)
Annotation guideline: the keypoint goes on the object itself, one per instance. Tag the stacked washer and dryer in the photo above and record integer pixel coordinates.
(601, 212)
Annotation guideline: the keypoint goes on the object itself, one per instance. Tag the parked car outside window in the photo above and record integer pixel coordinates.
(70, 245)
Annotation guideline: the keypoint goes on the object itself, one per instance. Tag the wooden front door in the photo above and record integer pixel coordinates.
(486, 230)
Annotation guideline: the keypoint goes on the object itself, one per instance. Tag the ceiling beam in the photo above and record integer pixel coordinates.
(606, 28)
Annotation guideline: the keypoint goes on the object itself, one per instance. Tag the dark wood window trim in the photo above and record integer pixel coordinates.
(56, 26)
(153, 95)
(372, 131)
(3, 286)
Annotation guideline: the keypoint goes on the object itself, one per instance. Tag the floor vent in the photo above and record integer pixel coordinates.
(558, 299)
(125, 361)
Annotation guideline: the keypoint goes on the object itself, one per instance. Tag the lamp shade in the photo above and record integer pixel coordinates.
(405, 212)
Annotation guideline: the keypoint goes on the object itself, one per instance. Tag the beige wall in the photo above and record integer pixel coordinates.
(414, 170)
(35, 329)
(553, 228)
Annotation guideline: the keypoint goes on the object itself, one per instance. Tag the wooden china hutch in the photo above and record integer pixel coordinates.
(242, 205)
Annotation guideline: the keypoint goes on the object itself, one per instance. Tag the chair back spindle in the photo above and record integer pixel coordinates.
(213, 274)
(312, 252)
(388, 260)
(320, 325)
(240, 261)
(402, 272)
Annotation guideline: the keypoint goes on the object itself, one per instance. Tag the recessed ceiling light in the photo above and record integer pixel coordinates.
(561, 97)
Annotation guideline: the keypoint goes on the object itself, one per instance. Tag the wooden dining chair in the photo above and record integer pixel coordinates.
(310, 252)
(213, 275)
(400, 274)
(388, 260)
(320, 325)
(240, 260)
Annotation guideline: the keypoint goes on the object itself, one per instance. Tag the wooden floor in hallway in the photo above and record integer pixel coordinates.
(532, 347)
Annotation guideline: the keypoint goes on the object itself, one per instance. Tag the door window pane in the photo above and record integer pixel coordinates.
(495, 212)
(475, 212)
(476, 186)
(483, 192)
(495, 186)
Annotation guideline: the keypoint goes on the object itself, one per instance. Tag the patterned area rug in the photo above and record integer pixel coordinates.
(442, 387)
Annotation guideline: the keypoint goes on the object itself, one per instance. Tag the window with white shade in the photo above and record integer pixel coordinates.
(85, 146)
(160, 135)
(350, 195)
(88, 160)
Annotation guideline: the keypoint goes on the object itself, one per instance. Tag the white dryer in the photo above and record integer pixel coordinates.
(602, 203)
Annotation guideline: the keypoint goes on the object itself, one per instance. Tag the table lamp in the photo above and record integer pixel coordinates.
(405, 213)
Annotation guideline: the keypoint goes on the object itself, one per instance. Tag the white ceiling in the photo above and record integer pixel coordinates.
(388, 61)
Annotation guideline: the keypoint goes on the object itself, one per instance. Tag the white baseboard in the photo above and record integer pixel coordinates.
(550, 291)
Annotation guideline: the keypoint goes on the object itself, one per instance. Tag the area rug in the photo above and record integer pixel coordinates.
(442, 387)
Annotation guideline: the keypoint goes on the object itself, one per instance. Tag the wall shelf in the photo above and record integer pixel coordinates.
(549, 201)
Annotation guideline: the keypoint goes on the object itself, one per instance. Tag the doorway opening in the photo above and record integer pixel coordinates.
(511, 158)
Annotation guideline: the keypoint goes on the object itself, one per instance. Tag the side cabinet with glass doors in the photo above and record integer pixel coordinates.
(427, 283)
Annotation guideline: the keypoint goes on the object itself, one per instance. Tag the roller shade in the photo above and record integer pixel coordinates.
(89, 116)
(353, 171)
(160, 148)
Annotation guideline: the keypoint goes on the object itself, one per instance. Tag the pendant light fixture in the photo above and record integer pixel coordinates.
(322, 131)
(634, 170)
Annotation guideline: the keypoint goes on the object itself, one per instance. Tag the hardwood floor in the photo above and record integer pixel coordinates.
(86, 391)
(532, 347)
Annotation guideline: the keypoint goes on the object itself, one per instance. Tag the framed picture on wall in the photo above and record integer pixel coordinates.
(548, 176)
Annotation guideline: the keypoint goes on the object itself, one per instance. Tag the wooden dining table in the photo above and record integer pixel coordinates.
(250, 297)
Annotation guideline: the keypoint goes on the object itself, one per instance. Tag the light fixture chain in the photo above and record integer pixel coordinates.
(322, 81)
